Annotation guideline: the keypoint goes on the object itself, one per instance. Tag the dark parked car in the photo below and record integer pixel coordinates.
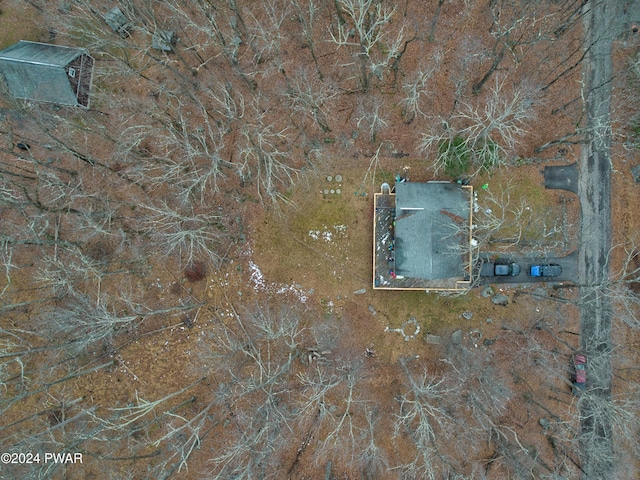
(580, 373)
(509, 269)
(545, 270)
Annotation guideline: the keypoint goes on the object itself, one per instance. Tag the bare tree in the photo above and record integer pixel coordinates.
(416, 89)
(6, 254)
(622, 285)
(363, 25)
(481, 136)
(423, 415)
(372, 118)
(257, 396)
(340, 429)
(604, 426)
(519, 25)
(372, 458)
(85, 323)
(308, 17)
(266, 35)
(186, 232)
(183, 149)
(311, 99)
(264, 158)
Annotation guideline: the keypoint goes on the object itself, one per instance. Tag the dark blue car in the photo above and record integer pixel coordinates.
(545, 270)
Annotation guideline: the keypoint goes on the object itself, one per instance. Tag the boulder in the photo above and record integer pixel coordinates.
(500, 299)
(487, 292)
(456, 337)
(544, 423)
(164, 40)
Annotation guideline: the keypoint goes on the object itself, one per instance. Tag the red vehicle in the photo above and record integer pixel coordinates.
(580, 371)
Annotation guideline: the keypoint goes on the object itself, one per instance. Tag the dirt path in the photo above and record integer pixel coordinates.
(594, 189)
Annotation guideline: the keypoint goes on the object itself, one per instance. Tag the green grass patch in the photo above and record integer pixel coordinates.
(320, 213)
(434, 313)
(311, 241)
(383, 176)
(490, 155)
(20, 22)
(455, 156)
(533, 215)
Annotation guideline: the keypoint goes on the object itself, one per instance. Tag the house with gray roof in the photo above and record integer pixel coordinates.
(47, 73)
(422, 237)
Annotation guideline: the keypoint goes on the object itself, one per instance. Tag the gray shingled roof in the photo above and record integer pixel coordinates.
(41, 72)
(425, 244)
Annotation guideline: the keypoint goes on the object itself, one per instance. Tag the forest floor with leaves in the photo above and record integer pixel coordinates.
(248, 351)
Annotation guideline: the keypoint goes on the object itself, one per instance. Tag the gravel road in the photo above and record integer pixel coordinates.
(602, 22)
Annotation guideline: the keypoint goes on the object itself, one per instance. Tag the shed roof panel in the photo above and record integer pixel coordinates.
(38, 82)
(40, 53)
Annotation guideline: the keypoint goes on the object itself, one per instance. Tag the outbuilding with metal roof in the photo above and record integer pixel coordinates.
(47, 73)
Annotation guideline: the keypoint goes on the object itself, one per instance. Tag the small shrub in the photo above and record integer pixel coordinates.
(195, 271)
(490, 155)
(635, 131)
(456, 156)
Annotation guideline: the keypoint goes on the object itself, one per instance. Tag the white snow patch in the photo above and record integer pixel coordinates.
(257, 278)
(293, 289)
(259, 284)
(328, 234)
